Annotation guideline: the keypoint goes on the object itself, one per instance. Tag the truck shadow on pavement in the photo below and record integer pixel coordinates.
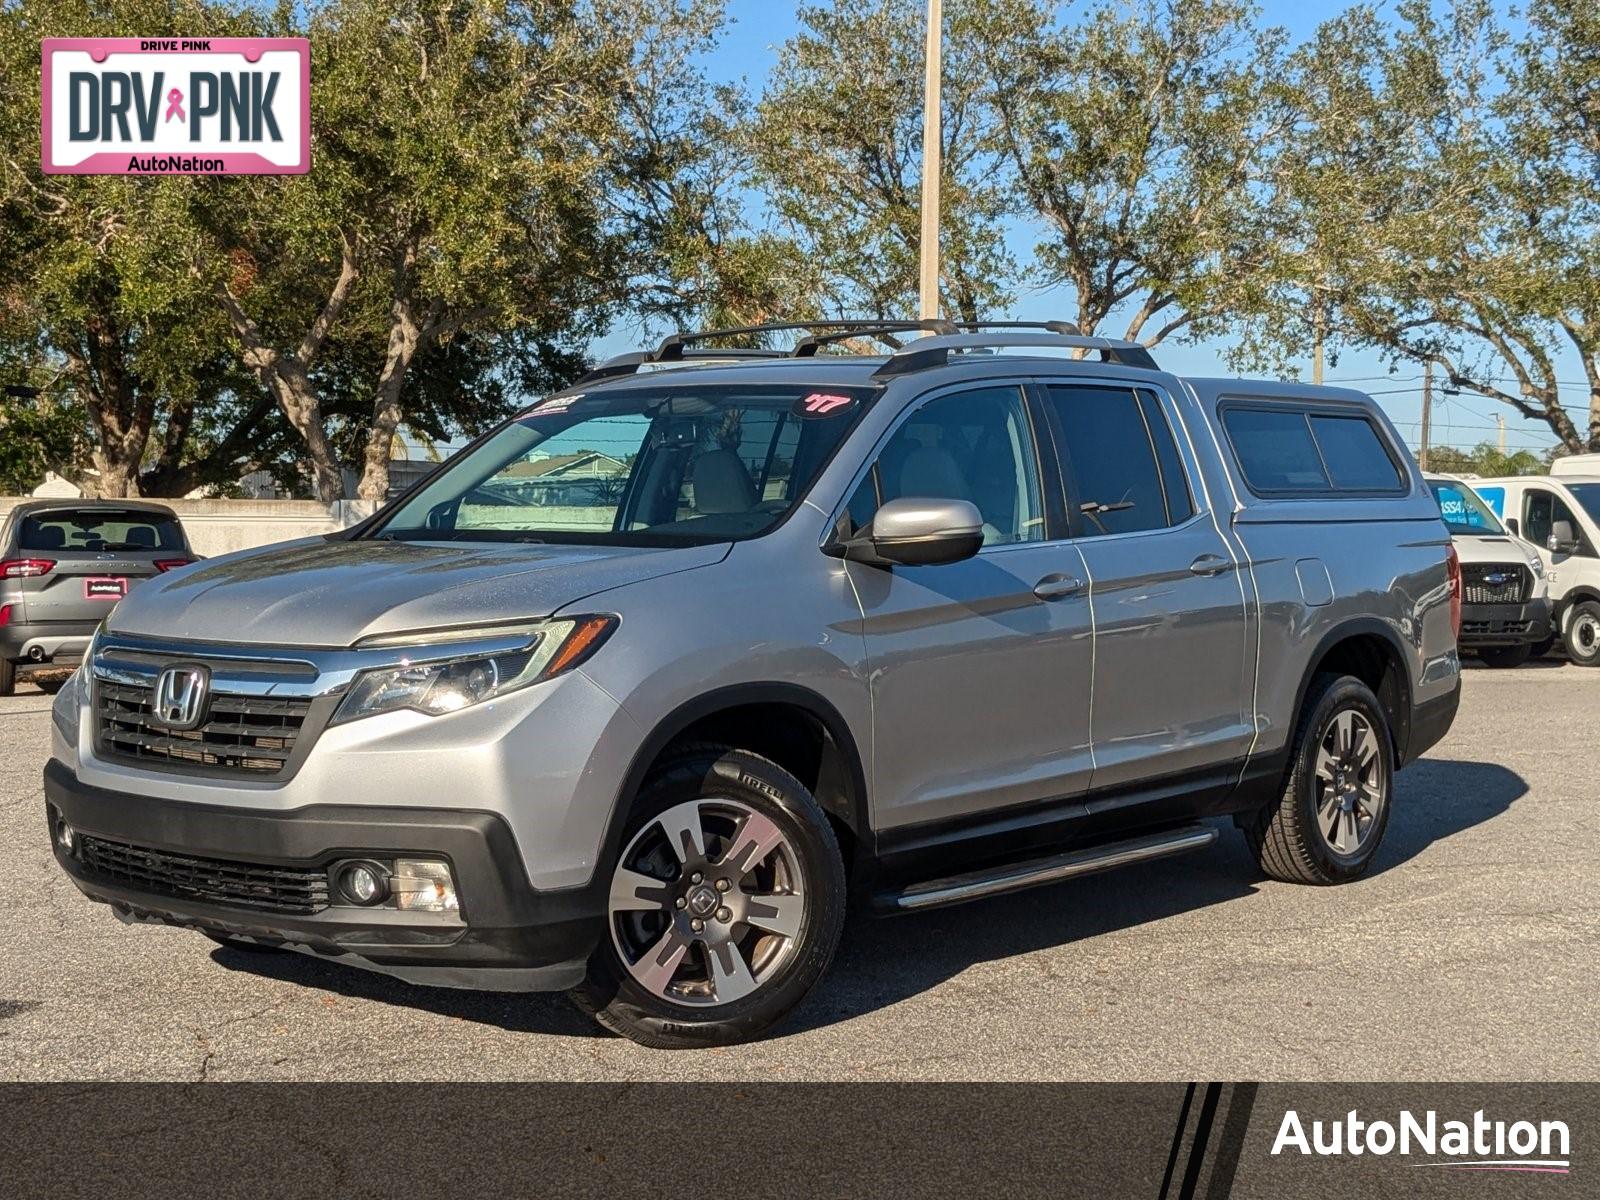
(882, 962)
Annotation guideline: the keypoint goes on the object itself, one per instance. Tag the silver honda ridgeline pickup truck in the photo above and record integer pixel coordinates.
(630, 695)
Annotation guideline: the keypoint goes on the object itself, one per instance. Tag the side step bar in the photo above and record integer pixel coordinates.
(1015, 876)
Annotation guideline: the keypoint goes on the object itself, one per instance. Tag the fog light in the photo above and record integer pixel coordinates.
(424, 885)
(66, 836)
(363, 883)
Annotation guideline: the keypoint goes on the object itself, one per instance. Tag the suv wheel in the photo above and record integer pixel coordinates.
(1583, 634)
(726, 904)
(1505, 656)
(1328, 823)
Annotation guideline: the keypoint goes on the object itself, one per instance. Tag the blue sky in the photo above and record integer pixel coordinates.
(749, 49)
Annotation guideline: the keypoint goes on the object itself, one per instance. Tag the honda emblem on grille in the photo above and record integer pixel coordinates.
(180, 699)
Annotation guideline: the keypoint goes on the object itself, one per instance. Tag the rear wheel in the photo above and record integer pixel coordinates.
(726, 904)
(1327, 825)
(8, 677)
(1583, 634)
(1506, 656)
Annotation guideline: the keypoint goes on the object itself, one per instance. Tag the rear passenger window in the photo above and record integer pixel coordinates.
(1290, 450)
(1275, 450)
(1121, 459)
(1355, 458)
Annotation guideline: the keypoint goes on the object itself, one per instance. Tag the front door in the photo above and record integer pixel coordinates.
(1171, 673)
(980, 670)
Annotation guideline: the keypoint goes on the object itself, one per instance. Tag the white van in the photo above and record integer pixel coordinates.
(1505, 604)
(1560, 515)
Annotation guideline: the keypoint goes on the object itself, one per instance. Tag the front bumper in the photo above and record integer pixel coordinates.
(1505, 624)
(506, 937)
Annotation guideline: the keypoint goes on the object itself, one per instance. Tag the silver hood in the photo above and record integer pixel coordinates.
(332, 594)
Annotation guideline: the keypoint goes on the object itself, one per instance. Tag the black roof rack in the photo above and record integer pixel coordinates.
(924, 352)
(935, 351)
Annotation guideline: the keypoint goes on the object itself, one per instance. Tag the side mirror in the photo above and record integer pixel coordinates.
(914, 532)
(1562, 539)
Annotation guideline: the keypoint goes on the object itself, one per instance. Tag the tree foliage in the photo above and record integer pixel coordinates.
(496, 183)
(837, 143)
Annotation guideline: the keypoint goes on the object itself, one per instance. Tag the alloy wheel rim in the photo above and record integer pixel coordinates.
(707, 902)
(1350, 788)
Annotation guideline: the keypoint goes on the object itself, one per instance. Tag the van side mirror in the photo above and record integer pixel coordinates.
(916, 532)
(1562, 539)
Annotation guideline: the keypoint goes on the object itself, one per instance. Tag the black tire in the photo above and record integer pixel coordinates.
(51, 684)
(1505, 656)
(8, 677)
(620, 1003)
(1285, 835)
(244, 947)
(1582, 638)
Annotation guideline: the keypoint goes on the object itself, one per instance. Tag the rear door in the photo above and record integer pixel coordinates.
(86, 559)
(1171, 671)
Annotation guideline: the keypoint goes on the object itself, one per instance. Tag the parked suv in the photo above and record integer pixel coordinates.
(1560, 516)
(1505, 613)
(919, 627)
(64, 563)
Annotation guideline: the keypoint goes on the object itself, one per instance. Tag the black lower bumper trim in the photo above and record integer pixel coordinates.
(507, 935)
(1505, 624)
(1430, 721)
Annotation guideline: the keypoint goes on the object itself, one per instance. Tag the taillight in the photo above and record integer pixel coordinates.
(172, 564)
(26, 568)
(1452, 562)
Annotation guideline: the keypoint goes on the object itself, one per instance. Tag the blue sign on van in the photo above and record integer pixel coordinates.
(1495, 498)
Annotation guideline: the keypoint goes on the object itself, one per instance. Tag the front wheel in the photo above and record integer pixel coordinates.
(1583, 634)
(1505, 656)
(725, 906)
(1327, 825)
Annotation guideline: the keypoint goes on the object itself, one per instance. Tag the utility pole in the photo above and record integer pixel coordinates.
(1500, 420)
(1319, 322)
(932, 137)
(1427, 412)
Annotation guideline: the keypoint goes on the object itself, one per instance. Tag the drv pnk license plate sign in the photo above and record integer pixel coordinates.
(176, 106)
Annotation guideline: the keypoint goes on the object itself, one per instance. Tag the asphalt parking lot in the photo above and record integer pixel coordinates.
(1469, 954)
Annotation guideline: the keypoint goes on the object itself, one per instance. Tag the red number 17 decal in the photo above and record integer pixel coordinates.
(822, 403)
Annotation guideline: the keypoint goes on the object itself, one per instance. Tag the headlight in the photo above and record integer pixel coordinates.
(1536, 565)
(447, 685)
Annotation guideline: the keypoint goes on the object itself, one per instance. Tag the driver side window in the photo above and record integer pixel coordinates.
(1540, 512)
(976, 446)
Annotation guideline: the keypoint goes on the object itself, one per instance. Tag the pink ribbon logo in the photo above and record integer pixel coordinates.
(175, 105)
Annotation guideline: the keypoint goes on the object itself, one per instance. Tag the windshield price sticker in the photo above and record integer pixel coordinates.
(176, 106)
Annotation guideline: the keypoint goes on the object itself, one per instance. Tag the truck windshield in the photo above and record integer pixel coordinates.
(1461, 509)
(1588, 495)
(669, 466)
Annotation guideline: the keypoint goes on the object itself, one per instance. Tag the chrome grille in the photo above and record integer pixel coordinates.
(1495, 583)
(253, 735)
(213, 880)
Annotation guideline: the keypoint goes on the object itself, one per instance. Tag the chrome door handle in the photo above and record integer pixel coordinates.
(1209, 564)
(1055, 587)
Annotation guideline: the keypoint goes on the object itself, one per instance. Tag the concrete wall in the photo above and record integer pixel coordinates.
(219, 526)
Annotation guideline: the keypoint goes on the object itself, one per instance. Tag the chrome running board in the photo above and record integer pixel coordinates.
(1015, 876)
